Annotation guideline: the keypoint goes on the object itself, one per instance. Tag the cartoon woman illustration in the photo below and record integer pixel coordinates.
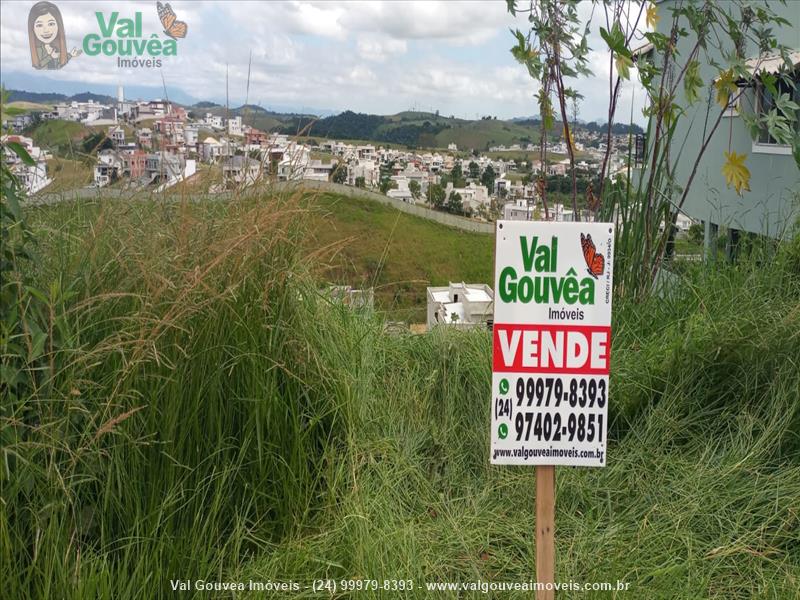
(46, 34)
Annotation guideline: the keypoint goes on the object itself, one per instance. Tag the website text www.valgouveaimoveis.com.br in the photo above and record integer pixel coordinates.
(526, 453)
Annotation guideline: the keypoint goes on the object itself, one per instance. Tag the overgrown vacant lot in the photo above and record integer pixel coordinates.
(203, 414)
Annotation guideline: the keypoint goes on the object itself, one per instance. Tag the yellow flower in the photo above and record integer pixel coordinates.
(736, 173)
(651, 17)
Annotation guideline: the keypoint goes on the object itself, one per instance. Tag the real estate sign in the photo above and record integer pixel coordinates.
(552, 343)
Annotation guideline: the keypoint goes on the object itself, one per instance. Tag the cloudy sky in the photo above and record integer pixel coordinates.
(378, 57)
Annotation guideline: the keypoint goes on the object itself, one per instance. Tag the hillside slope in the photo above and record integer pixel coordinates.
(372, 244)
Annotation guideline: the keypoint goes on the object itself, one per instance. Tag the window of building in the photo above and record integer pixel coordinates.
(765, 103)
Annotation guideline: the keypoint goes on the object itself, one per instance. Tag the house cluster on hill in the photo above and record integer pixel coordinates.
(158, 143)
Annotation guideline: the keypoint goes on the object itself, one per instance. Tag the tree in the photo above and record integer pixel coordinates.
(387, 184)
(361, 182)
(436, 196)
(474, 170)
(454, 204)
(413, 186)
(696, 234)
(488, 177)
(720, 35)
(457, 175)
(339, 174)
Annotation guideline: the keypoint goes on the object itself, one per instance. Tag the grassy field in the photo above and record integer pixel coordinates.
(68, 174)
(189, 407)
(62, 138)
(371, 244)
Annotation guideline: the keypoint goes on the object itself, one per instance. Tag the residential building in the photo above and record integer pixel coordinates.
(365, 169)
(117, 135)
(317, 170)
(235, 126)
(519, 210)
(109, 167)
(460, 305)
(32, 177)
(770, 205)
(211, 149)
(145, 137)
(241, 170)
(473, 196)
(134, 163)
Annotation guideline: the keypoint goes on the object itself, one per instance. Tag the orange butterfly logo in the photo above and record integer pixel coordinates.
(594, 261)
(172, 27)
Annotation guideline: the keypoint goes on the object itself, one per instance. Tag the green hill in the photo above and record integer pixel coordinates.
(62, 138)
(426, 130)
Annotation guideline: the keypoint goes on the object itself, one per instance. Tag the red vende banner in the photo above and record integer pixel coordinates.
(567, 349)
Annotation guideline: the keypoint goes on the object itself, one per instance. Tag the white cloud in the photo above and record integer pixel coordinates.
(376, 48)
(369, 56)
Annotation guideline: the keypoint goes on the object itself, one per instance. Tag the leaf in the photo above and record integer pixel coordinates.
(20, 151)
(735, 172)
(726, 87)
(623, 64)
(651, 16)
(692, 82)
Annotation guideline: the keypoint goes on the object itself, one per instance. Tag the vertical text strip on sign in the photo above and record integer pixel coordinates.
(551, 343)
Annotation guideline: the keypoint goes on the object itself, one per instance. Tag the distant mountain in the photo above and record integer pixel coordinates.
(205, 104)
(87, 96)
(37, 97)
(50, 98)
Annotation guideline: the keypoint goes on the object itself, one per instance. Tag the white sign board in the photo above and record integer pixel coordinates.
(552, 343)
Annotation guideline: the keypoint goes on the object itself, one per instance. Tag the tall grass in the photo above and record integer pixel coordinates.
(210, 416)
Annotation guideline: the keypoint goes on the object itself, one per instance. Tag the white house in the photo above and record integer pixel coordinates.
(366, 169)
(402, 192)
(109, 167)
(211, 149)
(317, 170)
(519, 210)
(473, 196)
(32, 177)
(235, 126)
(241, 170)
(460, 305)
(117, 135)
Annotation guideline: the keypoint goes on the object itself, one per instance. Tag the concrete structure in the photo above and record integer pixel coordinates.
(472, 197)
(241, 170)
(235, 126)
(460, 305)
(352, 298)
(519, 210)
(109, 167)
(319, 171)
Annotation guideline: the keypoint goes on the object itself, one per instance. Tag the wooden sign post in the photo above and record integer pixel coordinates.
(545, 529)
(551, 343)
